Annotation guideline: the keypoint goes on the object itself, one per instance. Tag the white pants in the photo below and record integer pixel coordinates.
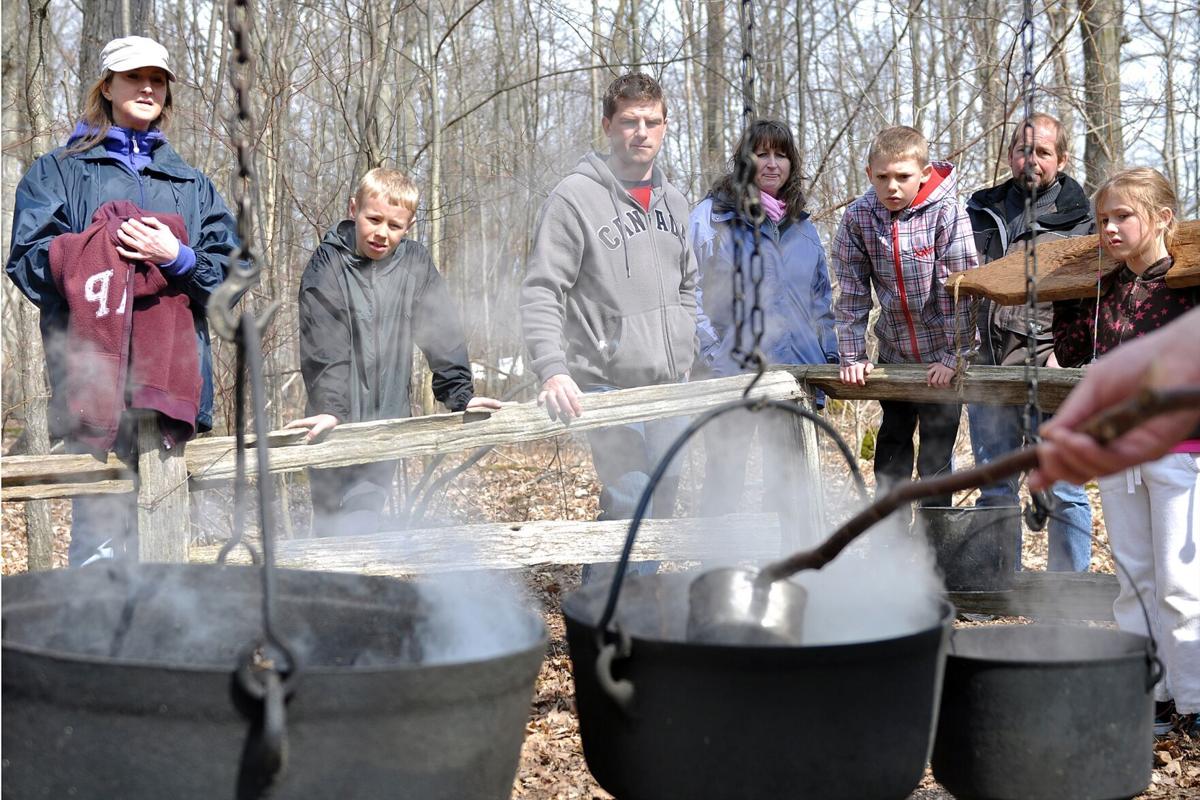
(1152, 514)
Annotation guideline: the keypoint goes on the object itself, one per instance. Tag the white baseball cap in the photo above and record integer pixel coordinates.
(133, 52)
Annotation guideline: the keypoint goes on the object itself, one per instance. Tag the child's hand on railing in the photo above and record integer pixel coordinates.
(939, 375)
(481, 403)
(317, 425)
(856, 373)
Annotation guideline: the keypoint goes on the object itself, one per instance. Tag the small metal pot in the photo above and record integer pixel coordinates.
(1034, 712)
(976, 547)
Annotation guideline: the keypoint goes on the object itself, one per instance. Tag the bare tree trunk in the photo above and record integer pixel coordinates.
(636, 54)
(420, 372)
(31, 359)
(1173, 166)
(596, 93)
(1102, 31)
(1060, 15)
(714, 93)
(917, 58)
(104, 20)
(802, 87)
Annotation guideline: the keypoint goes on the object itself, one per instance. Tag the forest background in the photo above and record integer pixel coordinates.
(488, 103)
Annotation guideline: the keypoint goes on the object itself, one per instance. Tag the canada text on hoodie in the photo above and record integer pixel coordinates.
(610, 293)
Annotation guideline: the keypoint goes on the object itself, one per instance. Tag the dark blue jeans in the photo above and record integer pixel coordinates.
(624, 457)
(996, 430)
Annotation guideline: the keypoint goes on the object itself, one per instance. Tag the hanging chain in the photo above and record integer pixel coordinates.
(267, 669)
(1037, 513)
(1033, 410)
(244, 269)
(749, 214)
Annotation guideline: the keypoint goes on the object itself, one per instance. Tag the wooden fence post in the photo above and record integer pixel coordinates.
(164, 521)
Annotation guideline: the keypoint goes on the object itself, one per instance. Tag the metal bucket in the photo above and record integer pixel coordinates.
(118, 683)
(976, 547)
(1045, 712)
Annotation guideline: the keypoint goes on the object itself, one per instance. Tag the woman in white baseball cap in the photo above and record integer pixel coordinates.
(118, 151)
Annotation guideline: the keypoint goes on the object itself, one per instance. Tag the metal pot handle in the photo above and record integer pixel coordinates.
(749, 403)
(619, 691)
(1152, 659)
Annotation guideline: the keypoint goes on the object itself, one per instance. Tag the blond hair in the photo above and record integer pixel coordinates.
(1147, 192)
(98, 114)
(899, 143)
(391, 184)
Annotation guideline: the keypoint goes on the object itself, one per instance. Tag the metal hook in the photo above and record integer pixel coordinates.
(620, 691)
(222, 317)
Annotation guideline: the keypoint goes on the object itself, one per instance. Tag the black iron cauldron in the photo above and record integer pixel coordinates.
(118, 683)
(976, 547)
(664, 718)
(1035, 712)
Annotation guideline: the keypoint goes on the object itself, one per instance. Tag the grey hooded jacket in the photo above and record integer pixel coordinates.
(359, 322)
(610, 293)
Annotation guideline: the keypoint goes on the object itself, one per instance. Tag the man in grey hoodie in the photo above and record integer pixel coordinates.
(609, 299)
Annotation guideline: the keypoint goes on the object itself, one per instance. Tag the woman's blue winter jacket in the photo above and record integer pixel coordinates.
(60, 193)
(796, 296)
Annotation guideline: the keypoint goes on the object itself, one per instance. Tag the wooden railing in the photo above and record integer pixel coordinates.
(210, 460)
(166, 477)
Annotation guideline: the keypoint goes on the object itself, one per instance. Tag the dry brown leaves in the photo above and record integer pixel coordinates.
(554, 480)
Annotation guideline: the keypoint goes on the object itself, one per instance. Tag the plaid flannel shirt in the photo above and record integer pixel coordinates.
(907, 259)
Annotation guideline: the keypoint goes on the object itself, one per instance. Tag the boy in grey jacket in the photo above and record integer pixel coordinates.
(609, 299)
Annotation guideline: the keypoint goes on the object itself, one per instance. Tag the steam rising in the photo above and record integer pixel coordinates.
(472, 616)
(884, 585)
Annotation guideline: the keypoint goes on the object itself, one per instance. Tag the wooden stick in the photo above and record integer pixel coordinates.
(1105, 427)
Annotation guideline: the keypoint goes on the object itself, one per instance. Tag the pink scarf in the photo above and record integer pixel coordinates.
(776, 209)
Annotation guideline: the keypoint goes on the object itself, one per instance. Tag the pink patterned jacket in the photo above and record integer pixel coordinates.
(907, 259)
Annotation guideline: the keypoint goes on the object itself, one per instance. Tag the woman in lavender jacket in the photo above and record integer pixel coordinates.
(796, 299)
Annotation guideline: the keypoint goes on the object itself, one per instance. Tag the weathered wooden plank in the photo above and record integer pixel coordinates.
(49, 491)
(736, 537)
(211, 460)
(164, 524)
(986, 385)
(1047, 595)
(1067, 269)
(30, 470)
(360, 443)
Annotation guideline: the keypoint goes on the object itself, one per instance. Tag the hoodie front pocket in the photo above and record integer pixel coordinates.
(639, 356)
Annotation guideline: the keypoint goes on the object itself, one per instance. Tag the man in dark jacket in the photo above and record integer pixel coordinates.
(367, 297)
(998, 220)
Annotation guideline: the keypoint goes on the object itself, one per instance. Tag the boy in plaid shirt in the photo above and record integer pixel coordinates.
(904, 237)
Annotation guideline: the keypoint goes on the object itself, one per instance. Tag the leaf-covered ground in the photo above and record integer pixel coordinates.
(554, 480)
